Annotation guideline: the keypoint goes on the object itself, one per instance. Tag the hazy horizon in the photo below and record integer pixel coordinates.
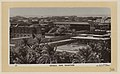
(60, 11)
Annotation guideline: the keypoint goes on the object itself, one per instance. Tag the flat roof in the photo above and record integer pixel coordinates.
(86, 23)
(20, 38)
(89, 38)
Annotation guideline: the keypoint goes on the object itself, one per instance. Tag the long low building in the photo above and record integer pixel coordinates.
(90, 38)
(80, 23)
(75, 25)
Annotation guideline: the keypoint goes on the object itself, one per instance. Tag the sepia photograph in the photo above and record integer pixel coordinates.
(59, 35)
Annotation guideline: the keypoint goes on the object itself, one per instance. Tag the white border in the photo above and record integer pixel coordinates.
(64, 65)
(8, 36)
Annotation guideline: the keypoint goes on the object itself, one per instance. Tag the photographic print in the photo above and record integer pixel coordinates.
(60, 35)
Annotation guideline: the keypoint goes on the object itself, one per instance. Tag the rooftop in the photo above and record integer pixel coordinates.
(71, 23)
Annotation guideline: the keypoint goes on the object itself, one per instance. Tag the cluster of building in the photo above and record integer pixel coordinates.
(22, 26)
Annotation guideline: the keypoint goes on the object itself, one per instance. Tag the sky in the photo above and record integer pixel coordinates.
(60, 11)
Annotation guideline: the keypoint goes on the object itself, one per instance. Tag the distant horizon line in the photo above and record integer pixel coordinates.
(56, 15)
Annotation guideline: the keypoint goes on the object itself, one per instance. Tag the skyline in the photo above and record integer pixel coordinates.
(60, 11)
